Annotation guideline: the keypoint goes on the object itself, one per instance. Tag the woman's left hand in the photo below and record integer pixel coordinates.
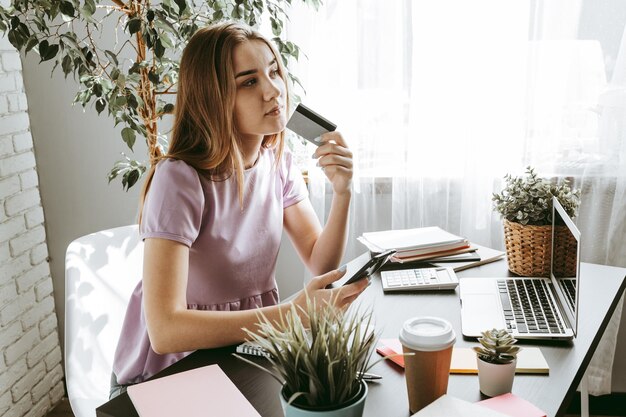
(335, 158)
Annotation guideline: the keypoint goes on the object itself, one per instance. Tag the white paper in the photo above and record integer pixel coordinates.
(405, 239)
(450, 406)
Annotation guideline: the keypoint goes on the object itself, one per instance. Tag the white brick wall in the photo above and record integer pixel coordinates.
(31, 376)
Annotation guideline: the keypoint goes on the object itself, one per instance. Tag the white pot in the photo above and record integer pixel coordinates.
(353, 408)
(495, 378)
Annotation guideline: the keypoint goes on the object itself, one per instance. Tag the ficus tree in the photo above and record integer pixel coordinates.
(133, 76)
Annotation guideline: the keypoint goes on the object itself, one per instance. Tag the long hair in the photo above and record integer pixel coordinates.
(204, 134)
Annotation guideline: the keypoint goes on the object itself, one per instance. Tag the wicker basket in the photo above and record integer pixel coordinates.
(528, 250)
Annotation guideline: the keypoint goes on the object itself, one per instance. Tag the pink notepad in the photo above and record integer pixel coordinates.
(205, 391)
(513, 406)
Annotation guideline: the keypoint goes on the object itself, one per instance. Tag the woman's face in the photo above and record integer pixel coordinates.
(260, 99)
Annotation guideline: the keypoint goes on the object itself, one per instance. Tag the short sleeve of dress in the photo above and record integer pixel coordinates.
(294, 188)
(174, 205)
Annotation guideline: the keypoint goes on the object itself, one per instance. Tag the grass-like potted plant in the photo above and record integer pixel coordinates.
(497, 359)
(525, 205)
(320, 365)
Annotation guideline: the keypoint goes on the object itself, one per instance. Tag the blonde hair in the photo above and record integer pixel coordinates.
(204, 134)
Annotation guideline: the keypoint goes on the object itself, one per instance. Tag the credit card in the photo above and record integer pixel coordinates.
(306, 123)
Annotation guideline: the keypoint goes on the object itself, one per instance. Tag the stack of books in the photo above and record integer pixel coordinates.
(424, 243)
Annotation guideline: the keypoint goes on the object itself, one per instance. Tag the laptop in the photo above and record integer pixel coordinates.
(530, 308)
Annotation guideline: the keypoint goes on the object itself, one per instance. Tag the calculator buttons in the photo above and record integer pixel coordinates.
(419, 279)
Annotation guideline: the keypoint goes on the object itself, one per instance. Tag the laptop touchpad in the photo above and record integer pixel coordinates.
(481, 312)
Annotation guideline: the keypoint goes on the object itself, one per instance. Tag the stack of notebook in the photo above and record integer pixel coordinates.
(424, 243)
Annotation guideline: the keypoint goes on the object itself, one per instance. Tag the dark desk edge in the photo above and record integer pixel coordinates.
(594, 344)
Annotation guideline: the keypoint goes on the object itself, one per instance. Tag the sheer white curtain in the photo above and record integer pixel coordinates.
(576, 128)
(440, 99)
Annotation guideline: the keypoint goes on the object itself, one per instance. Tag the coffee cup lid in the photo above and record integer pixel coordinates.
(427, 334)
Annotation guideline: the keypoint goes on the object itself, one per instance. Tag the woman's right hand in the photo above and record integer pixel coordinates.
(340, 297)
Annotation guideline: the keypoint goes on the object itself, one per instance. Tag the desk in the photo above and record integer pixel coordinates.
(600, 290)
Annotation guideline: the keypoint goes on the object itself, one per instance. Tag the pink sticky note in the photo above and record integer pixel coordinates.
(200, 392)
(512, 405)
(389, 347)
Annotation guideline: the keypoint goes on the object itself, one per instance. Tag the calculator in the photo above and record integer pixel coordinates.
(419, 279)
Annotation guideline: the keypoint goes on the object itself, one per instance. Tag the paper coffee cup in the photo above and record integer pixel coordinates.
(430, 339)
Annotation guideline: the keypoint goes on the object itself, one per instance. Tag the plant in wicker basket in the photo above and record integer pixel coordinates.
(497, 347)
(525, 205)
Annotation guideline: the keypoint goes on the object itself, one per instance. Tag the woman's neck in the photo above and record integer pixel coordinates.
(250, 148)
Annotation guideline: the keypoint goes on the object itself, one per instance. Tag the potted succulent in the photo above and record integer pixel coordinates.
(497, 359)
(320, 366)
(525, 205)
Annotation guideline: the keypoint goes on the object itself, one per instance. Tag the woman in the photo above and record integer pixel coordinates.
(214, 208)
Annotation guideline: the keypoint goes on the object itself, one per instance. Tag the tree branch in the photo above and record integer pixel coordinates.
(127, 42)
(121, 4)
(95, 50)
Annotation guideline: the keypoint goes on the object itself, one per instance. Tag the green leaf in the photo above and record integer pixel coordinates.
(112, 57)
(130, 178)
(134, 25)
(106, 84)
(237, 12)
(277, 26)
(23, 30)
(166, 41)
(132, 101)
(15, 22)
(89, 8)
(47, 51)
(67, 8)
(159, 49)
(168, 108)
(97, 90)
(128, 135)
(121, 101)
(15, 39)
(71, 38)
(100, 105)
(129, 169)
(163, 24)
(43, 47)
(120, 81)
(153, 77)
(30, 44)
(182, 5)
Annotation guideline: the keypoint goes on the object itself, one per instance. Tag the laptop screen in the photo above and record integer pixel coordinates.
(565, 267)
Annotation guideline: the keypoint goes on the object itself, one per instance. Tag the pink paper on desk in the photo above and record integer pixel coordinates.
(199, 392)
(512, 405)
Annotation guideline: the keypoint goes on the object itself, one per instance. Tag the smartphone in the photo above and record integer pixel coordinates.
(309, 125)
(365, 268)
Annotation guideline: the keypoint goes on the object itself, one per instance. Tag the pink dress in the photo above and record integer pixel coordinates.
(232, 252)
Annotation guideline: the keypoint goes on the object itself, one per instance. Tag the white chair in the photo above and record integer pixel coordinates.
(101, 272)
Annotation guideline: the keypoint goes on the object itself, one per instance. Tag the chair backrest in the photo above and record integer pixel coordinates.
(101, 272)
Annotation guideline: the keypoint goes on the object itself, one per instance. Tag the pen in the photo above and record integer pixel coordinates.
(370, 377)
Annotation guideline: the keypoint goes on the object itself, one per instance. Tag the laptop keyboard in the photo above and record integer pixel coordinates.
(568, 285)
(528, 308)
